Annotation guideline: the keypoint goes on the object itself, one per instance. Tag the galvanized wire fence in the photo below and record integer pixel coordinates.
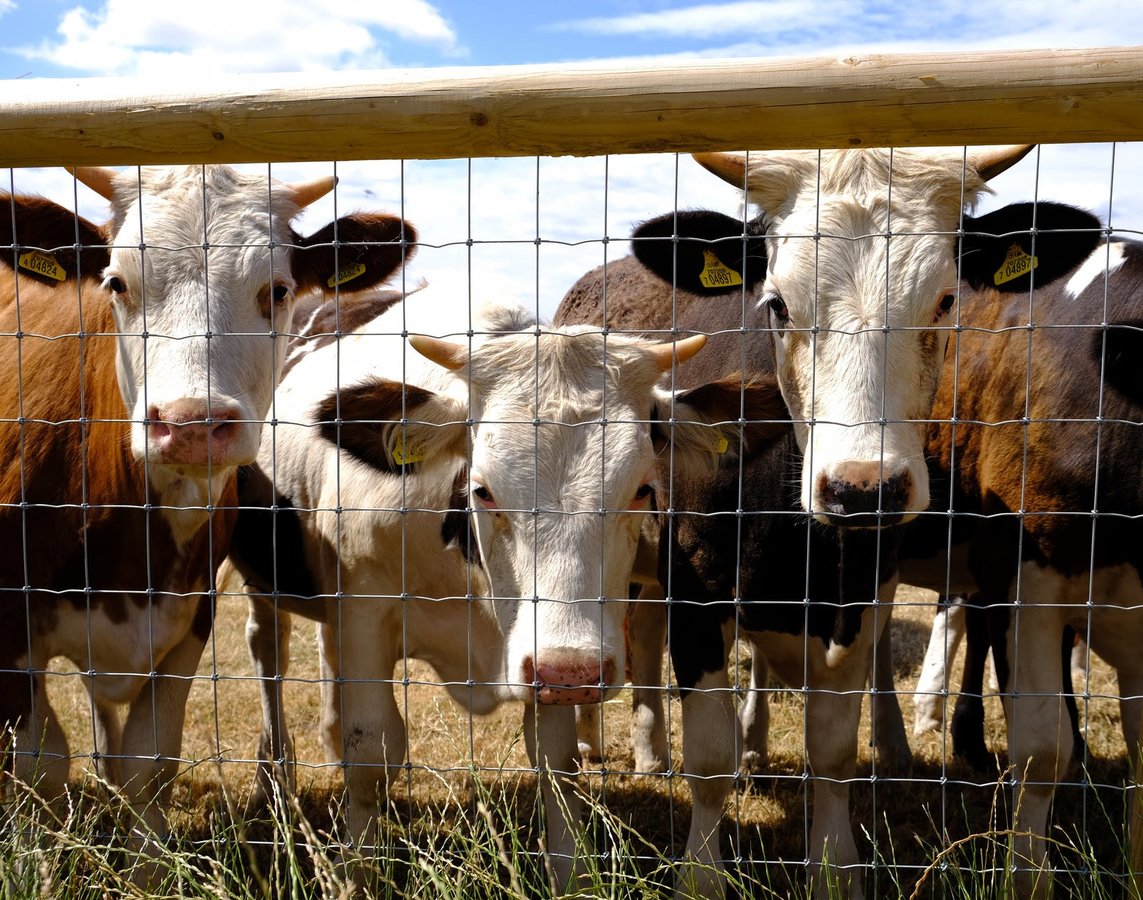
(398, 486)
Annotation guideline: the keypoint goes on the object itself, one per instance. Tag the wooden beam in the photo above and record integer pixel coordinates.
(861, 101)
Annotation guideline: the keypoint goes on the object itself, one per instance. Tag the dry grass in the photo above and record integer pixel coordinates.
(906, 820)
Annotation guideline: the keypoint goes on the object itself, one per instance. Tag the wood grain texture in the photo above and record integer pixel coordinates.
(859, 101)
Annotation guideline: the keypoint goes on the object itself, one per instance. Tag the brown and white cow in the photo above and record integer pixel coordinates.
(545, 443)
(138, 380)
(842, 297)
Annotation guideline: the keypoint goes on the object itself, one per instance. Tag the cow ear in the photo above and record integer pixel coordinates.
(46, 234)
(714, 421)
(365, 421)
(999, 250)
(713, 254)
(369, 248)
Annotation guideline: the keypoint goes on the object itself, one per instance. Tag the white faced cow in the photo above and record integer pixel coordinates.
(138, 379)
(855, 255)
(549, 439)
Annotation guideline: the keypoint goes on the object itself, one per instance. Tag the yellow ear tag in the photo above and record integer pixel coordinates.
(346, 273)
(722, 444)
(717, 275)
(1016, 263)
(42, 264)
(404, 456)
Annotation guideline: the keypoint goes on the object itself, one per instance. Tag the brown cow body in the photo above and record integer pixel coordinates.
(115, 514)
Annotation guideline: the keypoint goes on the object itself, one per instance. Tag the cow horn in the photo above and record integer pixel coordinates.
(677, 351)
(306, 192)
(730, 167)
(443, 353)
(99, 179)
(991, 163)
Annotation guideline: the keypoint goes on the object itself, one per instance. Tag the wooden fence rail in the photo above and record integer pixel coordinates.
(890, 100)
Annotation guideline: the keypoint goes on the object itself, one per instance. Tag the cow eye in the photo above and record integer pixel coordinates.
(481, 493)
(778, 309)
(115, 285)
(280, 292)
(945, 304)
(645, 491)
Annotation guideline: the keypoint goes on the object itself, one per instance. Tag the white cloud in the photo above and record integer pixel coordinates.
(7, 6)
(813, 27)
(140, 37)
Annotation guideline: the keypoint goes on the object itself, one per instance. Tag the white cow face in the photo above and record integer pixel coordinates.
(861, 267)
(562, 475)
(201, 288)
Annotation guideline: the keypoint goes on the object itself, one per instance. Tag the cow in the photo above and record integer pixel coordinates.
(471, 500)
(142, 360)
(1045, 447)
(845, 292)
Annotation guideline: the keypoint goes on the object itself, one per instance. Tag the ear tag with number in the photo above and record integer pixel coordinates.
(1016, 263)
(346, 273)
(716, 274)
(404, 455)
(42, 264)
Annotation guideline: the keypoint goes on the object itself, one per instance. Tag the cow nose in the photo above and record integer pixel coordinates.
(566, 682)
(191, 432)
(857, 496)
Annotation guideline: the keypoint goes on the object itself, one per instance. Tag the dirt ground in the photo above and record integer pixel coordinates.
(905, 819)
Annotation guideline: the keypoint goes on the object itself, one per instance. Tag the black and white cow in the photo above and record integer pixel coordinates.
(546, 440)
(854, 325)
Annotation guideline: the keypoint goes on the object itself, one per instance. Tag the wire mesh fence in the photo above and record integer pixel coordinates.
(498, 524)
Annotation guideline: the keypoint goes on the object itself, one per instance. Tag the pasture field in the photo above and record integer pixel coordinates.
(453, 835)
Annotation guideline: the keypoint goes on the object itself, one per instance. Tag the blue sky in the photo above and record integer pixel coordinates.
(579, 200)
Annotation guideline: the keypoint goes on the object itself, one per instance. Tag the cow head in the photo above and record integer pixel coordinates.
(203, 273)
(861, 273)
(565, 431)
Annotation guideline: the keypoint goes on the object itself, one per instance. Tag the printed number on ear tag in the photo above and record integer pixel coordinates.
(406, 455)
(716, 274)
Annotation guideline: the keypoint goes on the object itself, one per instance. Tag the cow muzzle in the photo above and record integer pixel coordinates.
(569, 682)
(865, 495)
(197, 433)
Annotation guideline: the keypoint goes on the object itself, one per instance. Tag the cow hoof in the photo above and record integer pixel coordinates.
(754, 763)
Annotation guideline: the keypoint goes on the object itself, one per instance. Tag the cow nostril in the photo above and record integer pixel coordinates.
(843, 497)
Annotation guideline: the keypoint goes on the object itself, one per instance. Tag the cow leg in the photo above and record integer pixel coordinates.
(894, 756)
(108, 734)
(1131, 716)
(1072, 644)
(268, 640)
(755, 716)
(647, 627)
(711, 739)
(550, 739)
(931, 694)
(1039, 737)
(329, 669)
(373, 731)
(152, 741)
(833, 711)
(39, 754)
(968, 712)
(589, 739)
